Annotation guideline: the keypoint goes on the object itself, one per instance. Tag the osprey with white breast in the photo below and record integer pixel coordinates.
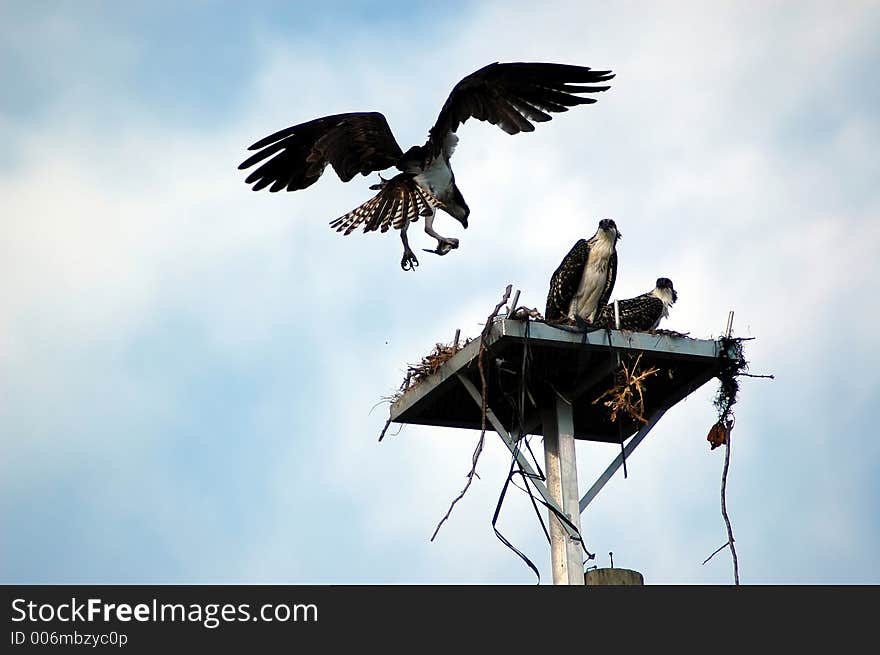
(507, 95)
(583, 282)
(643, 312)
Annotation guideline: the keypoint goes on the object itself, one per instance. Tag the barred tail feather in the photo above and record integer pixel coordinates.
(399, 202)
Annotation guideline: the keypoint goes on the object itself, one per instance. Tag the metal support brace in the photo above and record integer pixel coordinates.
(612, 468)
(514, 448)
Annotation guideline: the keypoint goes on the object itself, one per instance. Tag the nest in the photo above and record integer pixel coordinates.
(430, 363)
(735, 364)
(670, 333)
(442, 353)
(627, 395)
(524, 314)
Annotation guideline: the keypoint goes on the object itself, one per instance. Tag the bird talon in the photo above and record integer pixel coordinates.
(409, 261)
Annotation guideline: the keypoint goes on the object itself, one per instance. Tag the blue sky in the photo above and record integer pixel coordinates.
(187, 369)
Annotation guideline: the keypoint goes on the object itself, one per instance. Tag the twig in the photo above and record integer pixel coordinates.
(385, 429)
(627, 395)
(485, 334)
(384, 400)
(470, 478)
(752, 375)
(513, 304)
(479, 449)
(727, 424)
(730, 539)
(716, 552)
(430, 364)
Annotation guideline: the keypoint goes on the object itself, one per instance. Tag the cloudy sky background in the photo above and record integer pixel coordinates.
(187, 368)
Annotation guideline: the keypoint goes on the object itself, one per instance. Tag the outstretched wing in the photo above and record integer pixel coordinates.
(351, 143)
(400, 201)
(636, 314)
(512, 95)
(565, 281)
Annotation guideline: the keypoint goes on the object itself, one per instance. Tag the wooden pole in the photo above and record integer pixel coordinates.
(561, 467)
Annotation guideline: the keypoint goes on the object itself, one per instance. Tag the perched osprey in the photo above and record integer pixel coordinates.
(506, 95)
(643, 312)
(583, 282)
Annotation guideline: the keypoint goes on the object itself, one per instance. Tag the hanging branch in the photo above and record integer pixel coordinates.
(479, 449)
(730, 539)
(734, 366)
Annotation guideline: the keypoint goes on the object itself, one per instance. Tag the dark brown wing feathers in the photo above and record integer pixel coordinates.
(639, 313)
(565, 280)
(350, 143)
(512, 95)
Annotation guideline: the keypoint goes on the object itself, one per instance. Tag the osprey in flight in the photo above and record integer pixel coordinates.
(643, 312)
(583, 282)
(506, 95)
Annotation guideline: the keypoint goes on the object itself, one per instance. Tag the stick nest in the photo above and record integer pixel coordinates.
(430, 364)
(735, 364)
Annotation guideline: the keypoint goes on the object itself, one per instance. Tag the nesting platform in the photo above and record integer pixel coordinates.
(565, 373)
(575, 366)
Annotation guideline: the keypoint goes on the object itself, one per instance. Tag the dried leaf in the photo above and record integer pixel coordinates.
(718, 435)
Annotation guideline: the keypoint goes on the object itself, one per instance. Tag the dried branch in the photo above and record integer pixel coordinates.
(730, 539)
(726, 397)
(628, 394)
(720, 434)
(718, 550)
(430, 364)
(483, 338)
(479, 448)
(385, 429)
(470, 478)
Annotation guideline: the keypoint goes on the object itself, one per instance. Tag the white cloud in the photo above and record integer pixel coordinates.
(109, 234)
